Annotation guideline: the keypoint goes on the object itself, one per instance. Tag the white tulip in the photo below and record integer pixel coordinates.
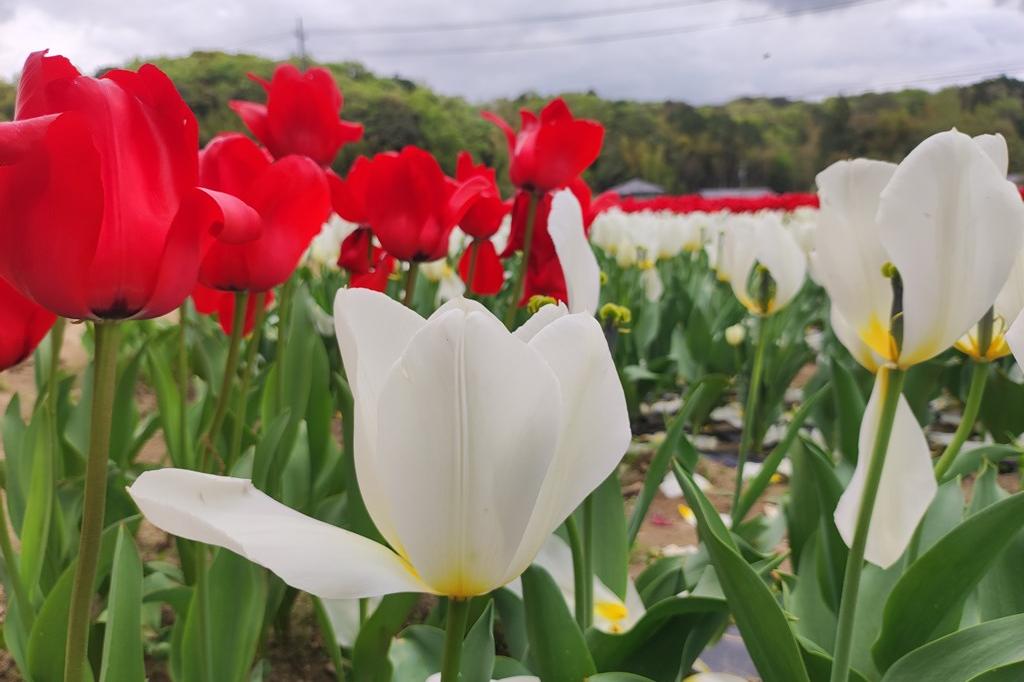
(449, 283)
(950, 224)
(472, 444)
(761, 240)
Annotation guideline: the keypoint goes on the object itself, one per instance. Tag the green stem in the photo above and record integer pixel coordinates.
(202, 603)
(284, 309)
(364, 611)
(230, 369)
(25, 612)
(979, 375)
(330, 640)
(892, 385)
(410, 283)
(183, 384)
(519, 282)
(588, 561)
(102, 413)
(247, 373)
(458, 618)
(578, 570)
(749, 415)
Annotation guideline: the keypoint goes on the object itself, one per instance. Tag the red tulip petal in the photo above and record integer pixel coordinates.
(51, 209)
(264, 83)
(347, 132)
(23, 324)
(39, 71)
(555, 110)
(228, 219)
(348, 196)
(302, 116)
(231, 162)
(462, 199)
(488, 272)
(254, 116)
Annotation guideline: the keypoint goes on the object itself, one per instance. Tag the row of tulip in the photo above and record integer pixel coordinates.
(477, 464)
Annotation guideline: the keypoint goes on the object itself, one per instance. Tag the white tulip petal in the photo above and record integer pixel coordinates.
(466, 305)
(738, 255)
(470, 425)
(308, 554)
(344, 615)
(579, 265)
(540, 319)
(779, 252)
(1010, 301)
(372, 330)
(1015, 339)
(848, 250)
(847, 336)
(952, 225)
(906, 488)
(595, 430)
(995, 148)
(653, 286)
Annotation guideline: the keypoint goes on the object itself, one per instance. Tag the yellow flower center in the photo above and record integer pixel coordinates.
(612, 612)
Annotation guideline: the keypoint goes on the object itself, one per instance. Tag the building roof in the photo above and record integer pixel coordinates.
(717, 192)
(637, 187)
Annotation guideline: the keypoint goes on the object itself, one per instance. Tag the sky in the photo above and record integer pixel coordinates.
(698, 51)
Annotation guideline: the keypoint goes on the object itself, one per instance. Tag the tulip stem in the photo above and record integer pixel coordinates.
(588, 561)
(458, 618)
(579, 570)
(749, 416)
(183, 383)
(410, 283)
(979, 375)
(284, 309)
(892, 385)
(519, 282)
(230, 369)
(101, 421)
(251, 351)
(474, 255)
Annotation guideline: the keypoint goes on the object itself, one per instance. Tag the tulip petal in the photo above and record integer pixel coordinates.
(594, 422)
(995, 147)
(503, 126)
(253, 115)
(848, 336)
(540, 319)
(778, 251)
(308, 554)
(848, 250)
(906, 488)
(373, 331)
(948, 217)
(469, 423)
(579, 265)
(1015, 339)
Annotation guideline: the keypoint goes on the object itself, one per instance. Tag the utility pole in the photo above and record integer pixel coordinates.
(300, 37)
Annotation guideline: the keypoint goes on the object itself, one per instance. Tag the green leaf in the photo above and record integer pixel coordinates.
(964, 654)
(556, 643)
(651, 647)
(16, 461)
(512, 616)
(39, 445)
(819, 663)
(662, 459)
(370, 654)
(415, 654)
(933, 588)
(969, 461)
(618, 677)
(764, 627)
(611, 549)
(478, 649)
(122, 638)
(1001, 592)
(849, 406)
(508, 667)
(1014, 672)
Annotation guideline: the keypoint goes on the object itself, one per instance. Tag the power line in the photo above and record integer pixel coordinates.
(616, 37)
(515, 21)
(985, 72)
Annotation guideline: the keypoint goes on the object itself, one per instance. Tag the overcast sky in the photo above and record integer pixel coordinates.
(700, 51)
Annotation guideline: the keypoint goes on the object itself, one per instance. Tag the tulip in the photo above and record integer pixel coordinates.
(107, 169)
(301, 116)
(551, 151)
(222, 304)
(449, 284)
(472, 445)
(942, 242)
(582, 274)
(382, 266)
(759, 249)
(325, 249)
(23, 324)
(290, 196)
(479, 266)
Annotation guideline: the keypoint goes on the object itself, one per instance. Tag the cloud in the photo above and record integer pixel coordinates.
(710, 51)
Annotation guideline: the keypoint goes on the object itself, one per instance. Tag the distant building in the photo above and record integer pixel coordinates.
(719, 192)
(637, 188)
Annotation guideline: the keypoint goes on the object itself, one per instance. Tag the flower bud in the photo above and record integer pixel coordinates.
(735, 335)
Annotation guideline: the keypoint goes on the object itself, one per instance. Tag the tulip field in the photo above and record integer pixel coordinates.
(267, 421)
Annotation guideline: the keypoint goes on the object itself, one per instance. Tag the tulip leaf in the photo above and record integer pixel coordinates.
(415, 653)
(965, 654)
(761, 621)
(928, 597)
(556, 644)
(849, 406)
(659, 465)
(610, 547)
(969, 461)
(122, 640)
(618, 677)
(1014, 672)
(651, 646)
(16, 462)
(1000, 593)
(40, 446)
(477, 662)
(370, 654)
(819, 663)
(512, 616)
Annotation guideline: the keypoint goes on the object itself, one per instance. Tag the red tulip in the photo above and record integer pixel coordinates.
(412, 206)
(550, 151)
(222, 304)
(301, 116)
(377, 277)
(356, 253)
(488, 272)
(100, 213)
(292, 200)
(484, 216)
(348, 196)
(23, 325)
